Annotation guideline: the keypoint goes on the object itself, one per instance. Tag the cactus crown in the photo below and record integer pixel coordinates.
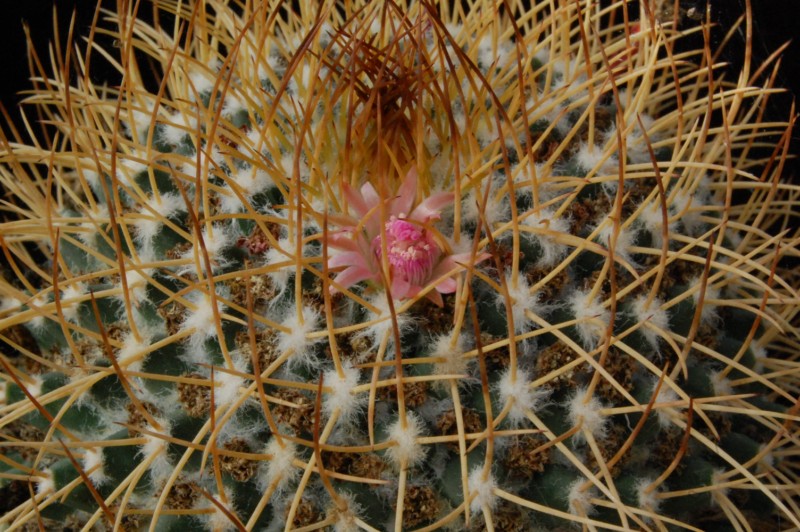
(399, 265)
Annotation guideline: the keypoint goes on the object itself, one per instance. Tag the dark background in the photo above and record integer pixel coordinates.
(774, 25)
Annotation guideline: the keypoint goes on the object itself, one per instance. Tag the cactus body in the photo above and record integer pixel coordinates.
(400, 266)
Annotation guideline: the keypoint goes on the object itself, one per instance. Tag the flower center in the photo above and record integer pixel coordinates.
(412, 252)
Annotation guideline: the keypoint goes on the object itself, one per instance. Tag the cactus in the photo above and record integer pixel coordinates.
(389, 265)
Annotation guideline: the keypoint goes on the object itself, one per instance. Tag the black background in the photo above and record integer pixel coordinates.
(774, 25)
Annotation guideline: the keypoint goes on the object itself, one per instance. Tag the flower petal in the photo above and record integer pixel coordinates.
(355, 200)
(351, 276)
(436, 297)
(431, 207)
(348, 258)
(451, 262)
(342, 240)
(447, 286)
(401, 288)
(370, 195)
(406, 194)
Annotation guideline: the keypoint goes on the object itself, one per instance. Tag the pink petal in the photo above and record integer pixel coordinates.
(342, 240)
(432, 206)
(436, 297)
(371, 197)
(401, 288)
(447, 286)
(341, 220)
(406, 194)
(348, 258)
(355, 200)
(351, 276)
(451, 262)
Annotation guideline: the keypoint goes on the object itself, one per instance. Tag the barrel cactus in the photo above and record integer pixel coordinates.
(399, 265)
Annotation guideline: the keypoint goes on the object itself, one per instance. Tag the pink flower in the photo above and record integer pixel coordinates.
(415, 257)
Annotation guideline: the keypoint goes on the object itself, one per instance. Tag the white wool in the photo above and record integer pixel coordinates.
(296, 341)
(543, 56)
(46, 484)
(233, 104)
(128, 169)
(585, 411)
(522, 300)
(249, 182)
(69, 300)
(566, 71)
(486, 130)
(341, 396)
(653, 314)
(141, 124)
(521, 174)
(557, 114)
(227, 385)
(133, 352)
(10, 303)
(406, 451)
(35, 388)
(137, 281)
(208, 164)
(153, 444)
(593, 318)
(346, 520)
(653, 220)
(593, 158)
(88, 170)
(709, 310)
(481, 490)
(689, 209)
(255, 143)
(227, 388)
(760, 353)
(200, 321)
(767, 462)
(487, 53)
(647, 501)
(216, 242)
(497, 209)
(287, 165)
(300, 83)
(636, 145)
(178, 127)
(552, 251)
(721, 384)
(281, 254)
(38, 302)
(452, 351)
(624, 98)
(382, 321)
(216, 519)
(202, 77)
(93, 465)
(625, 240)
(153, 213)
(664, 414)
(280, 468)
(719, 479)
(160, 467)
(579, 498)
(516, 389)
(96, 218)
